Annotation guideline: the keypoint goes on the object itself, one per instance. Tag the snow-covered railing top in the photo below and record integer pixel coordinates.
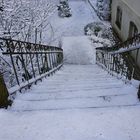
(23, 63)
(118, 61)
(129, 45)
(124, 50)
(23, 46)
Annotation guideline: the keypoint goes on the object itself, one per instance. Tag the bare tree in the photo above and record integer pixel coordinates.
(22, 18)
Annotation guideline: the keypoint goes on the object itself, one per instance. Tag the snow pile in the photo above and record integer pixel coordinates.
(101, 34)
(102, 31)
(78, 50)
(64, 9)
(100, 42)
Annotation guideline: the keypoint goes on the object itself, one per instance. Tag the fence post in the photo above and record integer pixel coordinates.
(4, 102)
(138, 93)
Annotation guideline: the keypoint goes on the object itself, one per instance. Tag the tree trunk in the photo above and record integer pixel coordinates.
(4, 102)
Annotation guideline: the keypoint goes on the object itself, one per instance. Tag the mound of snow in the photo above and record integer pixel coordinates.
(78, 50)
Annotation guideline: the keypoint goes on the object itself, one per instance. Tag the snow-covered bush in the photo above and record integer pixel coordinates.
(107, 33)
(63, 9)
(104, 9)
(94, 28)
(101, 31)
(100, 34)
(100, 42)
(20, 18)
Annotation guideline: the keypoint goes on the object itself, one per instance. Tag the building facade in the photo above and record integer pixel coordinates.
(125, 19)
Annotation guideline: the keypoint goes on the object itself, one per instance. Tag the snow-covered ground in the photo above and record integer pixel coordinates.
(80, 102)
(75, 47)
(93, 4)
(82, 14)
(85, 124)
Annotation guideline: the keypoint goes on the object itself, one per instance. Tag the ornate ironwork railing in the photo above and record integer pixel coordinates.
(117, 59)
(128, 45)
(22, 63)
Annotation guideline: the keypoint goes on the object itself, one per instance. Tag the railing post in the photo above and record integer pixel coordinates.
(138, 93)
(4, 102)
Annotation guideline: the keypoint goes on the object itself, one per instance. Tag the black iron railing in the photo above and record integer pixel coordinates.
(118, 60)
(23, 63)
(129, 44)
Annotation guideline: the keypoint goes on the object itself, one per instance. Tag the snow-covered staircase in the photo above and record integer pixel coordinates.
(77, 86)
(81, 101)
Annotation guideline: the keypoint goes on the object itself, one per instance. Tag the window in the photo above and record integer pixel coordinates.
(119, 17)
(133, 30)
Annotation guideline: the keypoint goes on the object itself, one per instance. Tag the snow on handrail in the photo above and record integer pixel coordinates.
(29, 43)
(130, 43)
(123, 50)
(27, 61)
(116, 60)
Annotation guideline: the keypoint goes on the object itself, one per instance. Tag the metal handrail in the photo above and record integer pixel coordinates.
(129, 43)
(119, 62)
(28, 62)
(14, 40)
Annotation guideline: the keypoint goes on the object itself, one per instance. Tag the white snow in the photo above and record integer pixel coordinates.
(75, 103)
(88, 124)
(78, 50)
(79, 102)
(82, 14)
(130, 48)
(93, 4)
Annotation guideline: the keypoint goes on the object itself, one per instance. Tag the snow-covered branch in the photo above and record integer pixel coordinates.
(21, 18)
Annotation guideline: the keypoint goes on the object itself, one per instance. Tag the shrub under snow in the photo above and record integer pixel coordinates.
(101, 34)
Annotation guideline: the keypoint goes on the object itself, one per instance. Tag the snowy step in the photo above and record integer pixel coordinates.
(74, 89)
(70, 95)
(71, 103)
